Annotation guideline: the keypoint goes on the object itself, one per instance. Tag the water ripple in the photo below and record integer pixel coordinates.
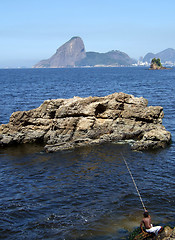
(85, 193)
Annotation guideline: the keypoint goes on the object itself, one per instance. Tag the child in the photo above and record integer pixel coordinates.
(148, 225)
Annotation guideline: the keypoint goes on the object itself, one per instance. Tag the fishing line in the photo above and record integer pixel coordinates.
(134, 182)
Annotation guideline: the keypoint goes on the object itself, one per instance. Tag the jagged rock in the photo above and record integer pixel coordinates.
(68, 123)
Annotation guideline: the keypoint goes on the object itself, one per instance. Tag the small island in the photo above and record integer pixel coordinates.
(156, 64)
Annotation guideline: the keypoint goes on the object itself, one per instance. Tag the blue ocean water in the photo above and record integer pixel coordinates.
(85, 193)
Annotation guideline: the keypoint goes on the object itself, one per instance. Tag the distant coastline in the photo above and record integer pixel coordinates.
(73, 54)
(147, 67)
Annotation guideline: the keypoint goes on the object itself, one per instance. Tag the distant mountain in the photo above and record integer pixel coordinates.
(167, 55)
(73, 54)
(66, 56)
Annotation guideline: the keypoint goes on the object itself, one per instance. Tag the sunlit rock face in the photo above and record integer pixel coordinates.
(67, 123)
(66, 56)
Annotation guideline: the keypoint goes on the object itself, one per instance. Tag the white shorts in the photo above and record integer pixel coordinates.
(153, 229)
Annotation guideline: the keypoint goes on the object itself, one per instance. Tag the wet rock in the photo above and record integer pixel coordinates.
(67, 123)
(167, 234)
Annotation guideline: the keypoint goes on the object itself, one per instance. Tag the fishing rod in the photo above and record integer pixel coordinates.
(134, 182)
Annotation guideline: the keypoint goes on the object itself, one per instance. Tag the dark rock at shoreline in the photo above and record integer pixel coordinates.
(167, 234)
(67, 123)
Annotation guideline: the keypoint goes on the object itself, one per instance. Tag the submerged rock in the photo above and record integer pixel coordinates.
(67, 123)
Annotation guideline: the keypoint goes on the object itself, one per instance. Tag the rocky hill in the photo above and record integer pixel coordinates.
(73, 54)
(114, 58)
(66, 56)
(167, 55)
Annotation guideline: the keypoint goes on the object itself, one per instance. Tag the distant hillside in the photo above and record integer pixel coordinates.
(167, 55)
(114, 58)
(73, 54)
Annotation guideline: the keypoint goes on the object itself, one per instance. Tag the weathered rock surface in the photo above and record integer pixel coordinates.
(68, 123)
(167, 234)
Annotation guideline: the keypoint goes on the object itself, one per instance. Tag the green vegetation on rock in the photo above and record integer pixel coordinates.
(156, 61)
(156, 64)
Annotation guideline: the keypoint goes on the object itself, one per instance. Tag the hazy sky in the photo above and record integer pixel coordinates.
(31, 30)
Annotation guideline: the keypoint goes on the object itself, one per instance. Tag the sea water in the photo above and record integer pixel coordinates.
(84, 193)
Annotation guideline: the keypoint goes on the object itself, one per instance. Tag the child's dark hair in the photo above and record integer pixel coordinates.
(145, 214)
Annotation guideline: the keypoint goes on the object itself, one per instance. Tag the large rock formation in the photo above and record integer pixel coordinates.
(66, 56)
(73, 54)
(68, 123)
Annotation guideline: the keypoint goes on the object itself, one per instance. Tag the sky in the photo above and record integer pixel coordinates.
(32, 30)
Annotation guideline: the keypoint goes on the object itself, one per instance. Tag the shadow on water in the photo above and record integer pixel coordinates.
(22, 149)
